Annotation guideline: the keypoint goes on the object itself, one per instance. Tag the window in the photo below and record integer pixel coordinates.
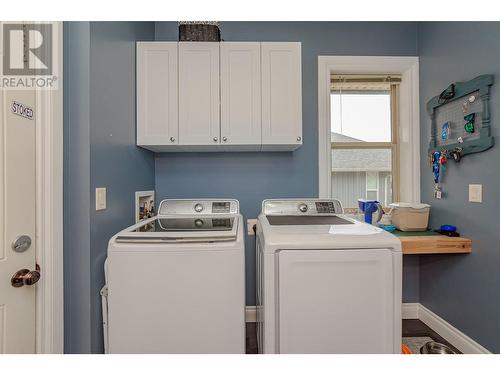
(364, 134)
(404, 183)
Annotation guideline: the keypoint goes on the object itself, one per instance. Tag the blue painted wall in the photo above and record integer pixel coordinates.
(252, 177)
(99, 151)
(463, 289)
(76, 187)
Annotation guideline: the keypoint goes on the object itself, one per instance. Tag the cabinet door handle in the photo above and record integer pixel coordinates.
(299, 139)
(224, 139)
(172, 139)
(216, 139)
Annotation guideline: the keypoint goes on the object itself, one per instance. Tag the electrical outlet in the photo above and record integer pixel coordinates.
(475, 193)
(250, 224)
(100, 199)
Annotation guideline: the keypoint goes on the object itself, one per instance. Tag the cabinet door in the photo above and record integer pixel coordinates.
(281, 96)
(240, 95)
(199, 110)
(157, 112)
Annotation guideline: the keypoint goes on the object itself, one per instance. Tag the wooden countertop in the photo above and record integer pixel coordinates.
(436, 244)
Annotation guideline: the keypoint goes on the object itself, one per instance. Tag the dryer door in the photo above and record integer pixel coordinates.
(339, 301)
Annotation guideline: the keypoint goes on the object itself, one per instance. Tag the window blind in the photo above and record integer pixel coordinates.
(351, 82)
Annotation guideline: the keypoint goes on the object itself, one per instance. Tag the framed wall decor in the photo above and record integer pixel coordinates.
(144, 205)
(460, 118)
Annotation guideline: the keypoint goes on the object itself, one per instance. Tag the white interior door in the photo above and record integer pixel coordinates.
(17, 209)
(337, 301)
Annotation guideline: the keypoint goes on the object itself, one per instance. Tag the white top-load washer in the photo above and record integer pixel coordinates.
(175, 283)
(326, 283)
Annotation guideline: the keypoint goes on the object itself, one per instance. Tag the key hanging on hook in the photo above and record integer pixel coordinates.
(436, 165)
(443, 159)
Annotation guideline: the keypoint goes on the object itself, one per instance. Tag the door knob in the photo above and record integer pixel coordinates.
(25, 277)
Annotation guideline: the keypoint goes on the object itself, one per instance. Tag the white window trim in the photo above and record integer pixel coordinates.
(409, 118)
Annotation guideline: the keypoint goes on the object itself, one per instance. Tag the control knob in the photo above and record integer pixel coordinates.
(303, 207)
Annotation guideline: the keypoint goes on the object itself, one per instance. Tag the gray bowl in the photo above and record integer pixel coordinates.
(433, 347)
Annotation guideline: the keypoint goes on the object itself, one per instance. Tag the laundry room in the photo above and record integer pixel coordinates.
(252, 187)
(431, 284)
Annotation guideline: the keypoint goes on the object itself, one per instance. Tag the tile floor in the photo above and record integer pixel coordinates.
(415, 332)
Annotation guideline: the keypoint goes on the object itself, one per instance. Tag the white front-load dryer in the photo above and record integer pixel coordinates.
(326, 283)
(175, 283)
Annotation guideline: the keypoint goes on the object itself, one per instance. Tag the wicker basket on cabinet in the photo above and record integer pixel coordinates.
(199, 32)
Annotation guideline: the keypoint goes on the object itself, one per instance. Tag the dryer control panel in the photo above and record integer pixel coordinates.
(309, 207)
(199, 207)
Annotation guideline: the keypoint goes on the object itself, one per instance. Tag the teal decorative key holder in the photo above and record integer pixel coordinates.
(453, 105)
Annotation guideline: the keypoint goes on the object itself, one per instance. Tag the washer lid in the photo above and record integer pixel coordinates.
(356, 235)
(181, 229)
(187, 224)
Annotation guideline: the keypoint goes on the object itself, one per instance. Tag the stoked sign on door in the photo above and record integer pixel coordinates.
(22, 110)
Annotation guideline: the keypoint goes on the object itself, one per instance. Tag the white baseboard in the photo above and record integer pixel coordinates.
(451, 334)
(250, 314)
(417, 311)
(410, 310)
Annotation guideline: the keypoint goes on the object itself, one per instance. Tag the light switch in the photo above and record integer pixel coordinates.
(475, 193)
(100, 199)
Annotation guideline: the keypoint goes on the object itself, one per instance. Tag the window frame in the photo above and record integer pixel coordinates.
(393, 145)
(408, 162)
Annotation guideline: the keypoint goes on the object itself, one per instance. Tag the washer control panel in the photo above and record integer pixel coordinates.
(311, 207)
(325, 207)
(221, 207)
(198, 207)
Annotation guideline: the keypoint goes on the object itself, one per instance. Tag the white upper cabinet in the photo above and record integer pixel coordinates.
(157, 115)
(206, 96)
(199, 108)
(281, 96)
(240, 96)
